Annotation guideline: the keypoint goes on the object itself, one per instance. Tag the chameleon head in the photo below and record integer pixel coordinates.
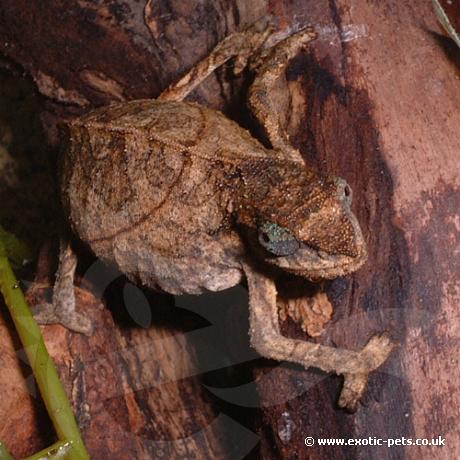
(313, 233)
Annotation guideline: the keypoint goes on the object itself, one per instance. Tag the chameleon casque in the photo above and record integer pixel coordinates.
(184, 200)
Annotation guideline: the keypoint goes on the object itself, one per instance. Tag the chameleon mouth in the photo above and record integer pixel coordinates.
(315, 264)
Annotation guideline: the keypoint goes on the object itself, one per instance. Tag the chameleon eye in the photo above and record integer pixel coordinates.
(277, 240)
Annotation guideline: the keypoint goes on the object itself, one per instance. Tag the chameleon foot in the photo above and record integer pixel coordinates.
(48, 313)
(374, 354)
(62, 308)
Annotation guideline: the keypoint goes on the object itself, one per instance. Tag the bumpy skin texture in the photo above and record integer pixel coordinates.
(183, 199)
(143, 188)
(166, 189)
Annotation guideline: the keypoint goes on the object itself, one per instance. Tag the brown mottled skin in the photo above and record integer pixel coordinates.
(153, 186)
(183, 199)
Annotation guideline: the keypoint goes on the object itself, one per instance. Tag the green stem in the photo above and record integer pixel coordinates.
(45, 373)
(4, 454)
(59, 450)
(445, 21)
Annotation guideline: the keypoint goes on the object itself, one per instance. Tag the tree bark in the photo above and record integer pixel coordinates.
(375, 100)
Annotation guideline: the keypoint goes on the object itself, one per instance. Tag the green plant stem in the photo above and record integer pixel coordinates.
(4, 454)
(59, 450)
(445, 21)
(16, 251)
(45, 373)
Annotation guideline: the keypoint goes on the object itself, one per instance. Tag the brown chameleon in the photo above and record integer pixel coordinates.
(184, 200)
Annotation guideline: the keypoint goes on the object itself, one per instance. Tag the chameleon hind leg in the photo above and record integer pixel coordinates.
(241, 45)
(61, 310)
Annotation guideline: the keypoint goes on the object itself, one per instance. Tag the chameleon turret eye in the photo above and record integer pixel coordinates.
(277, 240)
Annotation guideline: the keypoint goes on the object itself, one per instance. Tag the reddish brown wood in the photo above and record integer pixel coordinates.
(377, 102)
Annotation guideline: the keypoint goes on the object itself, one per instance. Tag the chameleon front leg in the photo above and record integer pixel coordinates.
(270, 67)
(62, 308)
(241, 45)
(266, 338)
